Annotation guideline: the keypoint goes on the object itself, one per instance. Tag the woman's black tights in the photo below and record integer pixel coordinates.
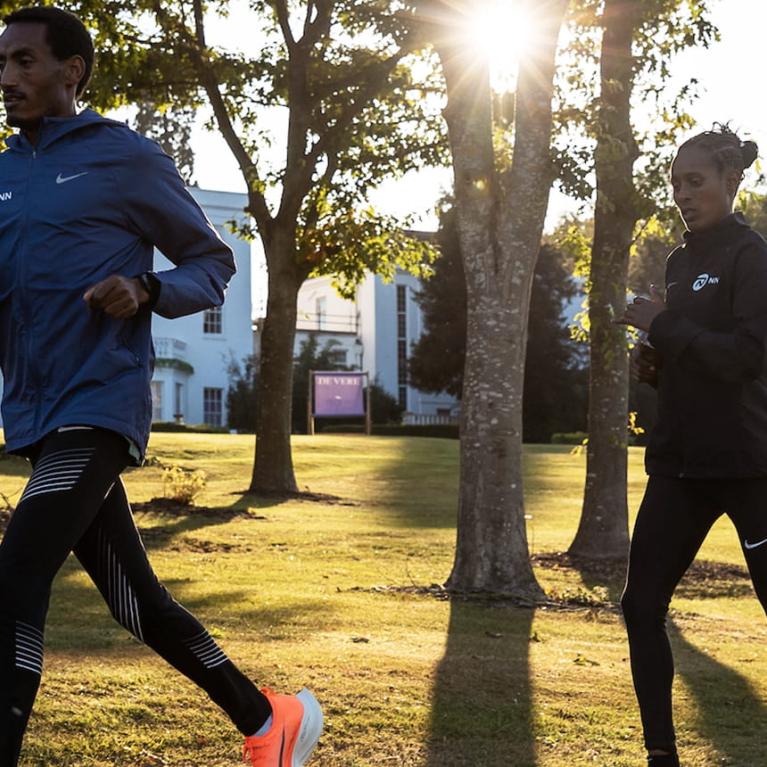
(674, 519)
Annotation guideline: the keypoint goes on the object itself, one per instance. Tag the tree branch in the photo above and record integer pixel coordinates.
(377, 77)
(280, 8)
(321, 25)
(310, 6)
(258, 206)
(527, 184)
(199, 24)
(313, 215)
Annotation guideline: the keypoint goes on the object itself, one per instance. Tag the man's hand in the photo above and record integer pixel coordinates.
(645, 364)
(117, 296)
(643, 311)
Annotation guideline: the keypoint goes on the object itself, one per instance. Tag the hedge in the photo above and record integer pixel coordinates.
(191, 428)
(443, 430)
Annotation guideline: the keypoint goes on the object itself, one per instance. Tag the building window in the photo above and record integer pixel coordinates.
(213, 406)
(337, 356)
(401, 325)
(211, 322)
(402, 363)
(401, 299)
(402, 342)
(403, 397)
(157, 387)
(320, 308)
(178, 403)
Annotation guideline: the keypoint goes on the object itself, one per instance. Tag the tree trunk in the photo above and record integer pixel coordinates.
(603, 529)
(273, 468)
(491, 550)
(499, 220)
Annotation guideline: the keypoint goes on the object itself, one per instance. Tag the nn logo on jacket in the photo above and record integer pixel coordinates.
(702, 280)
(6, 196)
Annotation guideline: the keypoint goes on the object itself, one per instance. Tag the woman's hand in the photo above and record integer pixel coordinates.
(645, 365)
(643, 311)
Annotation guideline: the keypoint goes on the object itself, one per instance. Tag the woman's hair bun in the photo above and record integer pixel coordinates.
(725, 148)
(749, 151)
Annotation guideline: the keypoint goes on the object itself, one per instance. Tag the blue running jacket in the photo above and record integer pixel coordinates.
(93, 199)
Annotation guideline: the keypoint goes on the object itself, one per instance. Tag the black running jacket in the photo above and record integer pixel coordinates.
(712, 387)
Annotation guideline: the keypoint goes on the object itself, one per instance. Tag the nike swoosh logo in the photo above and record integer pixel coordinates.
(750, 546)
(63, 179)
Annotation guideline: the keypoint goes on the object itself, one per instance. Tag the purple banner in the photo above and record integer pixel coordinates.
(339, 394)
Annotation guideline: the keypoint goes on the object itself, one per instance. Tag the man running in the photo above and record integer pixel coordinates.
(83, 202)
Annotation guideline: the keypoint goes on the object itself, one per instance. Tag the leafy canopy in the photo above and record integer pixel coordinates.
(319, 101)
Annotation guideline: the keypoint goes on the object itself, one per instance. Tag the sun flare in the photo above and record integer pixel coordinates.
(501, 31)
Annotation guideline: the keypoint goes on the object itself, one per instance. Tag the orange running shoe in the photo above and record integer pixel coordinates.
(296, 728)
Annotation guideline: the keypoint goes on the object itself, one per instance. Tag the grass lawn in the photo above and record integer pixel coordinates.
(295, 593)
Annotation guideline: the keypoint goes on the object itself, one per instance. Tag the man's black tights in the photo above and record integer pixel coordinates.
(75, 501)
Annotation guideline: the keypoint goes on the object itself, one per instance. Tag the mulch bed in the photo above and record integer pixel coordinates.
(171, 507)
(703, 578)
(611, 570)
(299, 495)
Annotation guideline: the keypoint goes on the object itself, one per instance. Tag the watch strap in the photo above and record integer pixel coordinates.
(151, 285)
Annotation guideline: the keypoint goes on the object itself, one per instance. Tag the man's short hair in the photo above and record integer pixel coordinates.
(66, 35)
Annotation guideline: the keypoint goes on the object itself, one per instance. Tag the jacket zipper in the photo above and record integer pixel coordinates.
(32, 373)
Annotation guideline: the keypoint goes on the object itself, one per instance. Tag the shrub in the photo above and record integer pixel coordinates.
(241, 394)
(182, 485)
(384, 408)
(568, 438)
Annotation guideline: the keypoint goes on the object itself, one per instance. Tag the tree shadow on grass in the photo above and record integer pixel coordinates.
(170, 533)
(79, 618)
(14, 466)
(242, 506)
(414, 489)
(704, 579)
(609, 575)
(731, 714)
(481, 707)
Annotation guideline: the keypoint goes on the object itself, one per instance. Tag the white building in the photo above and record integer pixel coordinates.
(373, 333)
(193, 353)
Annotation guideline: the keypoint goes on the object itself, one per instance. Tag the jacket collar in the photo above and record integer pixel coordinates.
(55, 128)
(719, 234)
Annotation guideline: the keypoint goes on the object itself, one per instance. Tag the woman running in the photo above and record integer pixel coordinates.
(707, 454)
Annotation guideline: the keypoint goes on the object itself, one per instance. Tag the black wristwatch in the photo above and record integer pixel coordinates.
(152, 285)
